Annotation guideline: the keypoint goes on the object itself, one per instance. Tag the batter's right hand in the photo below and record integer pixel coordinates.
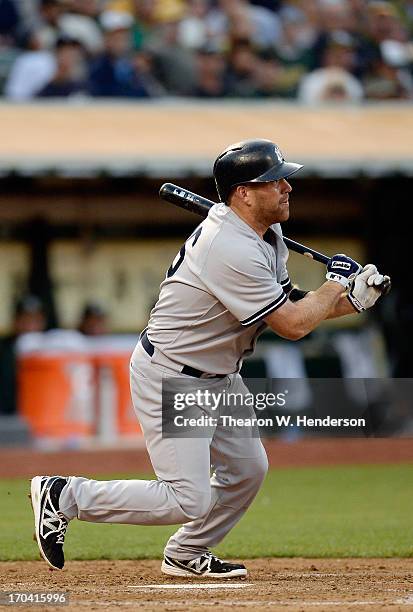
(342, 269)
(368, 286)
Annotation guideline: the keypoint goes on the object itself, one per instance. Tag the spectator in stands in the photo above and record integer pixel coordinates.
(380, 22)
(334, 81)
(272, 79)
(145, 22)
(47, 27)
(175, 65)
(297, 39)
(389, 76)
(143, 69)
(240, 26)
(114, 73)
(193, 28)
(31, 71)
(330, 85)
(84, 29)
(69, 77)
(262, 25)
(384, 23)
(252, 74)
(210, 70)
(56, 18)
(29, 316)
(93, 320)
(335, 15)
(340, 43)
(242, 62)
(339, 51)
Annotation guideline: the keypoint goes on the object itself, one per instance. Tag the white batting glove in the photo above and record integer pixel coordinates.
(380, 282)
(367, 288)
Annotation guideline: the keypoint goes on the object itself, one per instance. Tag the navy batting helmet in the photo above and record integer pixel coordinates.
(250, 161)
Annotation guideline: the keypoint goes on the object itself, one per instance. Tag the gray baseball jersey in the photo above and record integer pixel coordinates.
(222, 283)
(224, 280)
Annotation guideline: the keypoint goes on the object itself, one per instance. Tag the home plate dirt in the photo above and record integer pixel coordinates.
(272, 584)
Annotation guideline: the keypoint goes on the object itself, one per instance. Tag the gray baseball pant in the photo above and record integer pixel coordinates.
(184, 491)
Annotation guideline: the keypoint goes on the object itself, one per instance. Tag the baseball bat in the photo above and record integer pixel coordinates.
(197, 204)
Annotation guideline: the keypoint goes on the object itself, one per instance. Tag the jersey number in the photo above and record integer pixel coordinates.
(181, 255)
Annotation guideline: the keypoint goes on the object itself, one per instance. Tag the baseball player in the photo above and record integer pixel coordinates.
(226, 285)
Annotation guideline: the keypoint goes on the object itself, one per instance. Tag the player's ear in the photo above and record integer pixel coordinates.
(242, 192)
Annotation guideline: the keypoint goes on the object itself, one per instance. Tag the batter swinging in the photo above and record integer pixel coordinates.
(228, 282)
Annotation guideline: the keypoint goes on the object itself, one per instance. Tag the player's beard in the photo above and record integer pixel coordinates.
(285, 211)
(281, 213)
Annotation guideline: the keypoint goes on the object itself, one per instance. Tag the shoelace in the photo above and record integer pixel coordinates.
(211, 558)
(61, 530)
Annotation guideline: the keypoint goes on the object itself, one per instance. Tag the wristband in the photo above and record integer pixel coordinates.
(297, 294)
(355, 302)
(338, 278)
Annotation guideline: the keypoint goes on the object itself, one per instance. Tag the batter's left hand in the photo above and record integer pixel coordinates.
(382, 283)
(367, 287)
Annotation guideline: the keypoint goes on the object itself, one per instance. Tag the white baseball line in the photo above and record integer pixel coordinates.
(404, 601)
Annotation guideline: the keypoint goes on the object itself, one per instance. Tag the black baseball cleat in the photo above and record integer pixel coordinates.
(205, 566)
(50, 524)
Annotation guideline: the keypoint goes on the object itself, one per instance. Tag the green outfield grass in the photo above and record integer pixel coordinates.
(357, 511)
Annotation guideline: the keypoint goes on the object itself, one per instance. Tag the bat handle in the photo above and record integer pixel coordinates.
(305, 250)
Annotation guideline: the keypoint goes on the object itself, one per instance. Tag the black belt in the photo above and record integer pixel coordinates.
(149, 348)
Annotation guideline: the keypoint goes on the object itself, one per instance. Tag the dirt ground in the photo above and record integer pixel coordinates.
(25, 463)
(272, 584)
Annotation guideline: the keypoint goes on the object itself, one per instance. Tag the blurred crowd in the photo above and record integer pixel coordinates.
(30, 316)
(312, 50)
